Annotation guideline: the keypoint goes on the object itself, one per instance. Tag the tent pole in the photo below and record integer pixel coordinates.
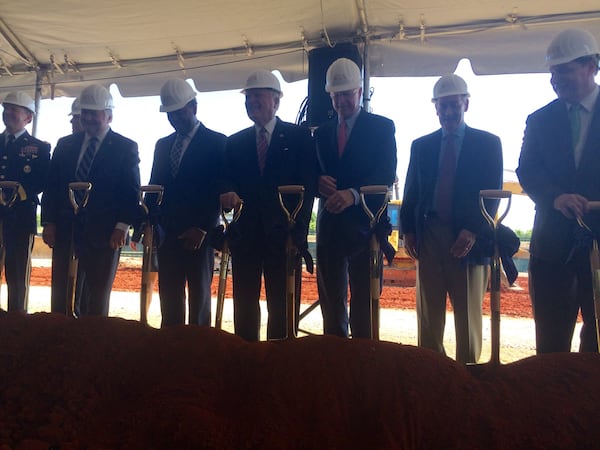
(38, 95)
(366, 77)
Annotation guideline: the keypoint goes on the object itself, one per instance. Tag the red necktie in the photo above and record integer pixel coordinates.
(445, 189)
(342, 137)
(261, 149)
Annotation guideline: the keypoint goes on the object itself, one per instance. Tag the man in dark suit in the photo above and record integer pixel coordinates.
(110, 163)
(23, 159)
(559, 168)
(269, 154)
(441, 219)
(356, 149)
(187, 164)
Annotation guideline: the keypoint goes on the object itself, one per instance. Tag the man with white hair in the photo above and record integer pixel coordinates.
(558, 168)
(110, 163)
(355, 149)
(269, 154)
(187, 164)
(441, 220)
(23, 159)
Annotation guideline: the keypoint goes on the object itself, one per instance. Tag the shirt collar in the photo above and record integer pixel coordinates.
(589, 100)
(269, 126)
(350, 121)
(459, 132)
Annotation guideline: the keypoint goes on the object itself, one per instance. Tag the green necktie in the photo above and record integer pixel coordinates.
(575, 121)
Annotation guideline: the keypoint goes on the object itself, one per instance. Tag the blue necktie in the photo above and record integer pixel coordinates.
(176, 153)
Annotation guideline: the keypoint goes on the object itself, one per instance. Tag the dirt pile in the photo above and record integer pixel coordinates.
(98, 383)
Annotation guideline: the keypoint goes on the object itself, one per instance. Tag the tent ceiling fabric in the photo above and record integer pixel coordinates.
(67, 44)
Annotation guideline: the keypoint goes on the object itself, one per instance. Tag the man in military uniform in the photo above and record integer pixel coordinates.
(23, 159)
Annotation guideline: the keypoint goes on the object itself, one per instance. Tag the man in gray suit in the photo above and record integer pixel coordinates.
(558, 168)
(441, 220)
(110, 163)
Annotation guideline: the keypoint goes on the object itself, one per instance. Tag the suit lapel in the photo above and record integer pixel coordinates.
(590, 157)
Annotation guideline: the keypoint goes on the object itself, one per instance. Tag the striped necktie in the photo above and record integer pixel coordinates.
(262, 146)
(83, 169)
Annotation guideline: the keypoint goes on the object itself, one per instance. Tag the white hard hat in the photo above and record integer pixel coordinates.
(262, 79)
(96, 97)
(175, 94)
(449, 85)
(20, 99)
(569, 45)
(342, 75)
(75, 108)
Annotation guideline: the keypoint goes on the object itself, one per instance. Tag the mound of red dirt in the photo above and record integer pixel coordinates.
(99, 383)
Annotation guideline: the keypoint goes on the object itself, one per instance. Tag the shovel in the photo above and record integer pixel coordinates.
(224, 266)
(148, 247)
(81, 187)
(375, 260)
(495, 269)
(291, 254)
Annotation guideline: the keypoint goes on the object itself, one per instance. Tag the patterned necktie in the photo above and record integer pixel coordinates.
(262, 146)
(83, 169)
(342, 137)
(445, 189)
(176, 153)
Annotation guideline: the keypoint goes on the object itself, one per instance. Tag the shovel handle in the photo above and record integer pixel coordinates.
(296, 189)
(380, 189)
(235, 217)
(151, 189)
(494, 194)
(11, 187)
(85, 186)
(594, 205)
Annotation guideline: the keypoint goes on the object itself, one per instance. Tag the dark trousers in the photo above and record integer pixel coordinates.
(16, 260)
(99, 267)
(178, 268)
(61, 256)
(558, 292)
(248, 266)
(335, 270)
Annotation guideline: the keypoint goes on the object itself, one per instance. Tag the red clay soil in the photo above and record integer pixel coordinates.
(515, 302)
(108, 383)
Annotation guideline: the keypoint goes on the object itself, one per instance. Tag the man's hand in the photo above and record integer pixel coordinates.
(49, 234)
(230, 200)
(117, 239)
(571, 205)
(339, 201)
(192, 238)
(410, 245)
(327, 185)
(463, 244)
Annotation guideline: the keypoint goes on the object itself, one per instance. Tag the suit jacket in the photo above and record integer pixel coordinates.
(479, 166)
(191, 198)
(290, 161)
(25, 161)
(369, 158)
(115, 179)
(547, 169)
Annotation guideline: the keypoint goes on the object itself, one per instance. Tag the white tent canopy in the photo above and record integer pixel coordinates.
(62, 45)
